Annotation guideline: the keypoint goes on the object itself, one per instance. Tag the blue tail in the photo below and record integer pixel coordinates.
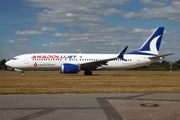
(152, 44)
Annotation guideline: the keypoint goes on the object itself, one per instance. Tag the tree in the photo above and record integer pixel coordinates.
(2, 65)
(165, 65)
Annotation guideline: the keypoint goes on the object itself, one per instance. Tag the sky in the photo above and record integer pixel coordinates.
(86, 26)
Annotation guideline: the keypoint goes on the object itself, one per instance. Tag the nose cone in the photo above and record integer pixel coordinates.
(8, 63)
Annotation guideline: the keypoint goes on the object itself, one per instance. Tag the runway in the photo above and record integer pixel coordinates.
(122, 106)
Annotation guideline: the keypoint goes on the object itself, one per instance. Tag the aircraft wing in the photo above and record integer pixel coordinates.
(160, 56)
(94, 64)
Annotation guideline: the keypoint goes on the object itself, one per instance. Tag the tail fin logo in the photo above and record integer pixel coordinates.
(152, 44)
(153, 47)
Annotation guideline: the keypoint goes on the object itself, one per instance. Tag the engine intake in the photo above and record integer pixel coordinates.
(69, 68)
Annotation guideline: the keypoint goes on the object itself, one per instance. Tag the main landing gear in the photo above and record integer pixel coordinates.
(22, 73)
(87, 72)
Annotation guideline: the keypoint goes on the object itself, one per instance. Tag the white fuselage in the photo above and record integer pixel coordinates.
(53, 61)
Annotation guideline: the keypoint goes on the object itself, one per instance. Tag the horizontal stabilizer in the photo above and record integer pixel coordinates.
(160, 56)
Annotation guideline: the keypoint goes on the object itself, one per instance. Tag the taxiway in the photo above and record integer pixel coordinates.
(122, 106)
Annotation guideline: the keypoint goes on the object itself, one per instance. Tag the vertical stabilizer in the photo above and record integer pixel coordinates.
(152, 44)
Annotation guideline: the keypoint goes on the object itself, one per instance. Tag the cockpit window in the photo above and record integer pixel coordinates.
(14, 58)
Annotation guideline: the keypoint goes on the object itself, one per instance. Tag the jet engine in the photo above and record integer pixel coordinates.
(68, 68)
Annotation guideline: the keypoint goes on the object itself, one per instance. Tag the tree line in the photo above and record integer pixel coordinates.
(158, 66)
(161, 66)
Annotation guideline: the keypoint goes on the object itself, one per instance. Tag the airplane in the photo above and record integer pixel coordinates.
(71, 63)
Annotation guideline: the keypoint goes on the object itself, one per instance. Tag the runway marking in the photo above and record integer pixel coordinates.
(37, 114)
(111, 113)
(45, 111)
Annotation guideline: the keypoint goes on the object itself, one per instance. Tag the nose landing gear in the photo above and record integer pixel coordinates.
(22, 73)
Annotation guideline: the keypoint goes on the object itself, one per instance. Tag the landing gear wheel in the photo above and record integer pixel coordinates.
(22, 73)
(87, 73)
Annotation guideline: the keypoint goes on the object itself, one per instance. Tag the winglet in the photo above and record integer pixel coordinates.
(121, 55)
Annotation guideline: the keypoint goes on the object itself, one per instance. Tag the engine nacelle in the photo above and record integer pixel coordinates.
(69, 68)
